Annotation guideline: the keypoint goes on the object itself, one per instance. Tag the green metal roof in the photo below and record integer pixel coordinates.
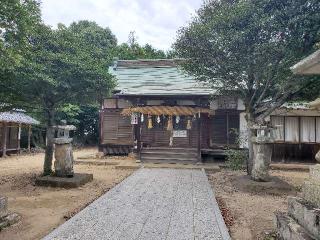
(154, 77)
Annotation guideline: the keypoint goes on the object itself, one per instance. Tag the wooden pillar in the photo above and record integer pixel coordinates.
(29, 138)
(19, 139)
(4, 139)
(138, 137)
(228, 132)
(199, 138)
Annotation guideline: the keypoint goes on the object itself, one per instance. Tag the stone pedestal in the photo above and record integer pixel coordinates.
(77, 180)
(262, 153)
(63, 164)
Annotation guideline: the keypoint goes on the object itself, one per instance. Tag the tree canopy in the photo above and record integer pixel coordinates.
(133, 50)
(18, 20)
(65, 66)
(247, 48)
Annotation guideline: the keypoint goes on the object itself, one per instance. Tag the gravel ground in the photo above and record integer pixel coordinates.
(250, 206)
(43, 209)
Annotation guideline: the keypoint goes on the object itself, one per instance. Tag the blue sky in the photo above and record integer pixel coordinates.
(154, 21)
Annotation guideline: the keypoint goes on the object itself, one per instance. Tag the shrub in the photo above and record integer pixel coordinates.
(236, 159)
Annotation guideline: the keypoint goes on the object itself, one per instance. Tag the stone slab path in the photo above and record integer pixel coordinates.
(151, 204)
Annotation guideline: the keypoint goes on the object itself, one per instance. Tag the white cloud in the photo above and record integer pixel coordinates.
(154, 21)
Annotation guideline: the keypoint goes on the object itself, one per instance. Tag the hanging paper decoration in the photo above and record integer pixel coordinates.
(134, 118)
(158, 119)
(194, 117)
(171, 141)
(149, 122)
(189, 124)
(142, 118)
(170, 126)
(177, 119)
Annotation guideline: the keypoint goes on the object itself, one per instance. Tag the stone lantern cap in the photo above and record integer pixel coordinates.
(63, 132)
(65, 127)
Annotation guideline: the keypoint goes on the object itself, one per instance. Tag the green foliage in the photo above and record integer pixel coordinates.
(132, 50)
(85, 118)
(246, 48)
(64, 66)
(18, 20)
(236, 159)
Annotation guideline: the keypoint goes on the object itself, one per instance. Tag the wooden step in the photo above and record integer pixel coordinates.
(173, 158)
(169, 149)
(173, 161)
(181, 154)
(169, 155)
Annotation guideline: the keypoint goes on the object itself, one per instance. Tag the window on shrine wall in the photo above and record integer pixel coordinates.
(307, 129)
(296, 129)
(291, 129)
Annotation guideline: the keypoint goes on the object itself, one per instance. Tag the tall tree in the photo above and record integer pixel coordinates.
(65, 66)
(246, 47)
(18, 19)
(133, 50)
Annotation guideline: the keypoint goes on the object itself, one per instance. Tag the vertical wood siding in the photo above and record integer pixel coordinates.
(117, 129)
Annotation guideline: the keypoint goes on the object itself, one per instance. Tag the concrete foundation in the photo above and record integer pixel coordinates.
(77, 180)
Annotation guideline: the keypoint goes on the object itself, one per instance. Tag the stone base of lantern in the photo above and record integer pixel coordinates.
(77, 180)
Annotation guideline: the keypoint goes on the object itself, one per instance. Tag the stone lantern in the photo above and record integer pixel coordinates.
(64, 175)
(262, 151)
(63, 164)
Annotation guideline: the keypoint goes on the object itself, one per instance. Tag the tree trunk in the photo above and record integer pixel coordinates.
(262, 159)
(47, 166)
(250, 133)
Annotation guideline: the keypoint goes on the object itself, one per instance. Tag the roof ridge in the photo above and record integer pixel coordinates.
(174, 62)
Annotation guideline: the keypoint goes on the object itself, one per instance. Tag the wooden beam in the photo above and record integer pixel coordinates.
(138, 137)
(29, 138)
(4, 139)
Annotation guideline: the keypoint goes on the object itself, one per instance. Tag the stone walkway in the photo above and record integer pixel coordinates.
(151, 204)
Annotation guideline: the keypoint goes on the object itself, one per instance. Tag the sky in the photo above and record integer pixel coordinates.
(154, 21)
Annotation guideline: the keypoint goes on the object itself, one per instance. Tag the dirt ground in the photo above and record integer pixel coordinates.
(41, 208)
(252, 205)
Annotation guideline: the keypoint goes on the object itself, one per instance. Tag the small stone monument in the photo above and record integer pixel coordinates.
(63, 164)
(64, 175)
(6, 218)
(303, 218)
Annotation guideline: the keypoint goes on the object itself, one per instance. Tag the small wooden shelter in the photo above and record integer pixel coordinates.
(11, 123)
